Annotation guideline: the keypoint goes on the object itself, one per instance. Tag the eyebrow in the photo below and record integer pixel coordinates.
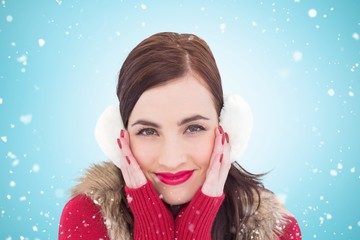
(182, 122)
(191, 119)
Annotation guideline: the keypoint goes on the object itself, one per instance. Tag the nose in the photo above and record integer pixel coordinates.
(172, 154)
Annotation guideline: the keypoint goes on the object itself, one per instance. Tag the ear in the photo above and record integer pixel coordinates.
(236, 119)
(107, 130)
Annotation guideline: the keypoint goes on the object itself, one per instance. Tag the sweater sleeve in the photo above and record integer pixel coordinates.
(152, 219)
(291, 230)
(81, 219)
(196, 219)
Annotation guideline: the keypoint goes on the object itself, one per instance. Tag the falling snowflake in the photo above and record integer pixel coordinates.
(333, 173)
(129, 199)
(12, 184)
(191, 227)
(143, 6)
(356, 36)
(312, 13)
(9, 18)
(297, 56)
(26, 119)
(331, 92)
(41, 42)
(36, 168)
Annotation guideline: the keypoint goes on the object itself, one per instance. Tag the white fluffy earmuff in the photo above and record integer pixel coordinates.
(235, 118)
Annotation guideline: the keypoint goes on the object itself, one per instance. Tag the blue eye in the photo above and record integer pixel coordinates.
(195, 128)
(147, 132)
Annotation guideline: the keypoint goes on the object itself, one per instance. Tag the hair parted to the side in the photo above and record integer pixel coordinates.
(164, 57)
(161, 58)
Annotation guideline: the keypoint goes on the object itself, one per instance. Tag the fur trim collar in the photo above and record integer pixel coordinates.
(103, 184)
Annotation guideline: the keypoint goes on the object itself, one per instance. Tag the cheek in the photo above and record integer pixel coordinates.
(202, 150)
(144, 152)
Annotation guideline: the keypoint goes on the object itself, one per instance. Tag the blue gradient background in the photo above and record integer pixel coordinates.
(306, 109)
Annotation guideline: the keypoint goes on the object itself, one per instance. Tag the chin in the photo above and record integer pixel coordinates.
(177, 197)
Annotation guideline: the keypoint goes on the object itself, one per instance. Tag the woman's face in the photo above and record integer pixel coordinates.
(172, 133)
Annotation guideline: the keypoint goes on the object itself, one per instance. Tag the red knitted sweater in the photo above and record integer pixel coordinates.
(82, 219)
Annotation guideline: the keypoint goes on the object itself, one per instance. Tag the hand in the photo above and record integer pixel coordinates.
(133, 175)
(152, 219)
(219, 165)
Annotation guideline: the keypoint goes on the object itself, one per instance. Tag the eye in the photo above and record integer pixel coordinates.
(195, 129)
(147, 132)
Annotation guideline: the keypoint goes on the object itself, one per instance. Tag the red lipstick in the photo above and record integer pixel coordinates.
(174, 178)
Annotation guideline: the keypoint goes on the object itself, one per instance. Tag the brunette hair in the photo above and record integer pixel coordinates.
(161, 58)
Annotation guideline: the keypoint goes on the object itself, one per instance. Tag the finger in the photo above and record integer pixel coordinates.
(226, 162)
(219, 139)
(136, 176)
(218, 144)
(212, 186)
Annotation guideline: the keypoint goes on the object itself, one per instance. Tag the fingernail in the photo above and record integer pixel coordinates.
(128, 160)
(223, 139)
(221, 157)
(221, 130)
(227, 137)
(119, 143)
(122, 133)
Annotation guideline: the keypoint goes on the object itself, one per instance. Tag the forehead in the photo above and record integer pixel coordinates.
(177, 98)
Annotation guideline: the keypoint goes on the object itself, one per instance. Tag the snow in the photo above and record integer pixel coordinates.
(12, 184)
(331, 92)
(41, 42)
(15, 162)
(312, 13)
(355, 36)
(297, 56)
(191, 227)
(340, 166)
(129, 199)
(9, 18)
(36, 168)
(26, 119)
(22, 59)
(333, 173)
(11, 155)
(22, 198)
(222, 27)
(305, 66)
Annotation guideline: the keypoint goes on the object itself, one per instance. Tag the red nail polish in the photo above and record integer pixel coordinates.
(227, 137)
(223, 139)
(128, 160)
(221, 130)
(122, 133)
(221, 157)
(119, 143)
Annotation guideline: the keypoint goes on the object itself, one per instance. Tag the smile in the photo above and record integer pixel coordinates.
(174, 178)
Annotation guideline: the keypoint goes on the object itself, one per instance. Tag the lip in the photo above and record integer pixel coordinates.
(174, 178)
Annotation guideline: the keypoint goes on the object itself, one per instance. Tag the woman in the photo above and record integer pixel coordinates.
(173, 174)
